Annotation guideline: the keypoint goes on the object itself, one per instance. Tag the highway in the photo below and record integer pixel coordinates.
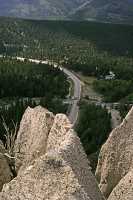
(74, 111)
(73, 114)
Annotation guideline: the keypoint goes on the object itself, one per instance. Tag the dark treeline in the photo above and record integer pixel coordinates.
(18, 79)
(93, 128)
(93, 48)
(13, 112)
(57, 39)
(124, 109)
(114, 90)
(100, 66)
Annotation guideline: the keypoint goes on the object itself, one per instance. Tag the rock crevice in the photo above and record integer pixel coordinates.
(50, 161)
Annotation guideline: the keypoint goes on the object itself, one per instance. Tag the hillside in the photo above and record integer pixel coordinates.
(119, 11)
(99, 10)
(38, 9)
(58, 39)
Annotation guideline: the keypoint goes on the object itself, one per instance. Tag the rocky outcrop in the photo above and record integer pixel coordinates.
(32, 136)
(63, 139)
(124, 189)
(116, 156)
(49, 178)
(5, 172)
(53, 168)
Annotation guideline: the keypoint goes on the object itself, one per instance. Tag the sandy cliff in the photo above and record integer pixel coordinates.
(50, 161)
(124, 189)
(116, 158)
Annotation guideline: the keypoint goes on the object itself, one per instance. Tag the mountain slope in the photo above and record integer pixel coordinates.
(38, 9)
(63, 39)
(120, 11)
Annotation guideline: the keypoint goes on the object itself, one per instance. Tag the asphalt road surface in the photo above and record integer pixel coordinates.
(74, 111)
(73, 114)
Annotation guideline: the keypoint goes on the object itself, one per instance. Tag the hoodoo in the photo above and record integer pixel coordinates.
(50, 161)
(116, 158)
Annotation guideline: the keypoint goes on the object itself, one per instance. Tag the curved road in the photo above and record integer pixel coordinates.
(73, 114)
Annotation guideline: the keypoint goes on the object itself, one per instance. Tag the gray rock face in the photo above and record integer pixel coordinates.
(32, 136)
(124, 189)
(5, 172)
(49, 178)
(116, 156)
(63, 139)
(60, 171)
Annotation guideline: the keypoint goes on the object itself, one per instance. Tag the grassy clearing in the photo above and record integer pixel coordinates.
(87, 89)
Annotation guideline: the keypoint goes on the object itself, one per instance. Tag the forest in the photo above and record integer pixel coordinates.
(112, 90)
(18, 79)
(64, 40)
(93, 127)
(91, 48)
(25, 84)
